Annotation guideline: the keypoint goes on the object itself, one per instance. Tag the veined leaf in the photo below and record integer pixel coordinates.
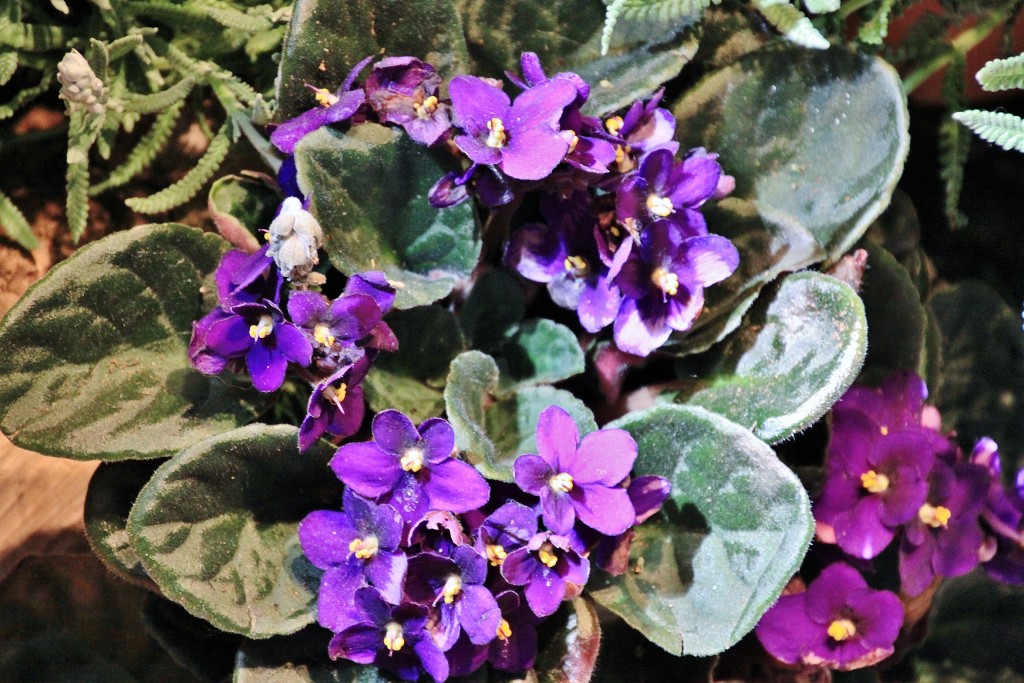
(1000, 128)
(792, 23)
(13, 222)
(1002, 74)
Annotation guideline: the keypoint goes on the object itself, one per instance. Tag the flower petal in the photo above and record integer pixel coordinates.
(370, 471)
(605, 456)
(394, 432)
(478, 613)
(266, 367)
(456, 486)
(324, 536)
(607, 510)
(557, 437)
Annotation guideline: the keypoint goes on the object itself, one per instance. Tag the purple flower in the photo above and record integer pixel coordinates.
(439, 532)
(612, 553)
(331, 108)
(897, 403)
(373, 284)
(521, 138)
(335, 329)
(336, 405)
(259, 332)
(513, 649)
(392, 638)
(548, 567)
(455, 586)
(241, 278)
(663, 189)
(838, 622)
(945, 536)
(1003, 518)
(662, 284)
(357, 546)
(505, 530)
(403, 90)
(413, 469)
(577, 479)
(644, 128)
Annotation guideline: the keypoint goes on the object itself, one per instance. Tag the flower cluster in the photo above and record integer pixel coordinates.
(619, 236)
(428, 568)
(893, 477)
(331, 344)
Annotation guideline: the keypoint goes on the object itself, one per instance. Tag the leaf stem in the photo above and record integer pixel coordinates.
(849, 8)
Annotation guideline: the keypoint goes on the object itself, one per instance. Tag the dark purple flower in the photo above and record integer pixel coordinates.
(331, 108)
(392, 638)
(413, 469)
(505, 530)
(547, 566)
(373, 284)
(455, 586)
(513, 649)
(403, 90)
(357, 546)
(838, 622)
(259, 333)
(521, 138)
(664, 189)
(1002, 517)
(438, 532)
(336, 405)
(662, 284)
(336, 329)
(645, 128)
(241, 278)
(945, 537)
(577, 479)
(897, 403)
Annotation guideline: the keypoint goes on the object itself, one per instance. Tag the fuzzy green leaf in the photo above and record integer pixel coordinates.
(93, 358)
(299, 658)
(1002, 74)
(8, 65)
(493, 309)
(216, 528)
(24, 96)
(733, 531)
(666, 12)
(821, 6)
(493, 433)
(540, 351)
(78, 190)
(14, 224)
(189, 186)
(369, 192)
(1000, 128)
(795, 356)
(875, 29)
(242, 205)
(159, 101)
(792, 23)
(145, 150)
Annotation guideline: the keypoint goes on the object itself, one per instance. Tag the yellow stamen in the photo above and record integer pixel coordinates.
(504, 630)
(324, 97)
(263, 328)
(659, 206)
(934, 515)
(322, 335)
(364, 548)
(614, 124)
(841, 629)
(577, 265)
(452, 587)
(496, 554)
(884, 430)
(665, 280)
(546, 554)
(874, 482)
(394, 639)
(412, 460)
(572, 145)
(427, 109)
(561, 482)
(497, 137)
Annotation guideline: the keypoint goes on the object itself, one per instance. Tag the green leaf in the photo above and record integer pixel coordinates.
(875, 29)
(730, 536)
(1002, 74)
(241, 206)
(666, 11)
(827, 144)
(8, 65)
(189, 186)
(493, 309)
(112, 491)
(93, 358)
(371, 199)
(327, 38)
(821, 6)
(216, 528)
(795, 356)
(144, 152)
(159, 101)
(540, 352)
(997, 127)
(13, 221)
(206, 652)
(491, 432)
(412, 379)
(792, 23)
(981, 389)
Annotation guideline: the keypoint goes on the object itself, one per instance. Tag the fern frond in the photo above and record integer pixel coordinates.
(875, 29)
(158, 101)
(791, 23)
(12, 220)
(237, 87)
(1002, 74)
(82, 132)
(145, 151)
(239, 21)
(8, 65)
(1000, 128)
(125, 44)
(821, 6)
(665, 12)
(25, 96)
(954, 143)
(166, 11)
(35, 37)
(189, 186)
(611, 17)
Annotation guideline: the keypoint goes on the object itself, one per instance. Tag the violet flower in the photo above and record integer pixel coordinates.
(454, 585)
(838, 622)
(664, 189)
(521, 138)
(331, 108)
(404, 90)
(577, 479)
(439, 532)
(391, 638)
(336, 328)
(413, 469)
(662, 284)
(611, 554)
(505, 530)
(1003, 518)
(645, 128)
(241, 278)
(548, 567)
(336, 405)
(513, 649)
(357, 546)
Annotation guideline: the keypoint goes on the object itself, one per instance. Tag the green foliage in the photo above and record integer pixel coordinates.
(1002, 74)
(874, 30)
(1000, 128)
(216, 529)
(664, 12)
(143, 154)
(14, 224)
(954, 144)
(791, 23)
(93, 359)
(731, 534)
(189, 186)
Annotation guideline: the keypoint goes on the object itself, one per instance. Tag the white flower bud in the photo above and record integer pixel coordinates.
(295, 235)
(79, 84)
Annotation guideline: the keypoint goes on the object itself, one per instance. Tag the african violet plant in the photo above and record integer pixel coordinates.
(507, 366)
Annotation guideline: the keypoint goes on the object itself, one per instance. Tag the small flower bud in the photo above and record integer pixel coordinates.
(79, 84)
(295, 235)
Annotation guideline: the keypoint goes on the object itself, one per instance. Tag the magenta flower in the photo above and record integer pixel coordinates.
(411, 468)
(838, 622)
(577, 479)
(548, 567)
(521, 138)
